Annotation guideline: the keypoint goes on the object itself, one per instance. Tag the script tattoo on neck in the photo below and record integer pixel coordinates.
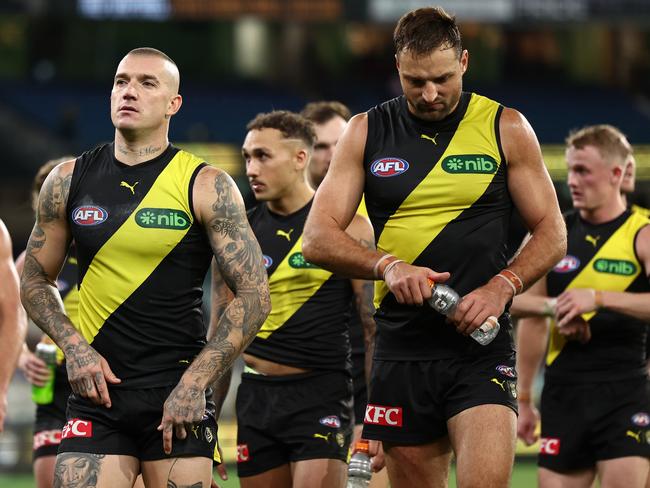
(143, 151)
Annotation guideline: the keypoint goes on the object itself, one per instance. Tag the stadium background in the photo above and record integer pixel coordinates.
(562, 63)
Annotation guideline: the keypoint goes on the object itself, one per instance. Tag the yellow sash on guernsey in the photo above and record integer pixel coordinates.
(117, 270)
(290, 290)
(441, 196)
(619, 268)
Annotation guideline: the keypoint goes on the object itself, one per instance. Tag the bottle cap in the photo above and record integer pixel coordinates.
(361, 445)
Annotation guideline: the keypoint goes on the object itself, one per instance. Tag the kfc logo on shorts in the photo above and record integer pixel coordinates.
(89, 215)
(386, 167)
(47, 438)
(567, 264)
(549, 446)
(77, 428)
(242, 453)
(331, 421)
(379, 415)
(641, 419)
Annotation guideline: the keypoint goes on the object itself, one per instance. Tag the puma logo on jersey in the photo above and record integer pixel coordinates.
(325, 437)
(282, 233)
(592, 240)
(634, 435)
(432, 139)
(195, 431)
(500, 383)
(130, 187)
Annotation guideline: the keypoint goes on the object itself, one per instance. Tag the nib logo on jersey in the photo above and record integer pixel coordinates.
(386, 167)
(469, 163)
(381, 415)
(89, 215)
(615, 266)
(77, 428)
(162, 218)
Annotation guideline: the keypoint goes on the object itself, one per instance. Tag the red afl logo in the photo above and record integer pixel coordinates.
(386, 167)
(567, 264)
(89, 215)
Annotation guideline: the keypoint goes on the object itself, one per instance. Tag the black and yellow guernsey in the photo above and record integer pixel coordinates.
(437, 196)
(142, 259)
(600, 257)
(310, 307)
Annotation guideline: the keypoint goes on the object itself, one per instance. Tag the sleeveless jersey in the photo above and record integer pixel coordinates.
(437, 196)
(602, 257)
(142, 260)
(308, 323)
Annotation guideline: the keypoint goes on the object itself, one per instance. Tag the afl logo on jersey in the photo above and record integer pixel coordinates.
(567, 264)
(89, 215)
(267, 261)
(386, 167)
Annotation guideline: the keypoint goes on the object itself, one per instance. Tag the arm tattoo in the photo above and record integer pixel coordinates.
(240, 263)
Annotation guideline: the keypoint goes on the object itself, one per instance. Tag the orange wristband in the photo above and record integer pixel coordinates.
(598, 299)
(512, 277)
(523, 396)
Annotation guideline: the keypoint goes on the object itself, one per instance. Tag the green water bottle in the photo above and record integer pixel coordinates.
(45, 394)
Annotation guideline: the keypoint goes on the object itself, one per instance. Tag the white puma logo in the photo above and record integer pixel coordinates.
(130, 187)
(432, 139)
(282, 233)
(592, 240)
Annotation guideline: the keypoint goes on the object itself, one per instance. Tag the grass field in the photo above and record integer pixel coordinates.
(524, 476)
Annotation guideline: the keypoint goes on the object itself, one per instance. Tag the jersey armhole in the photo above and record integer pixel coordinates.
(190, 192)
(497, 135)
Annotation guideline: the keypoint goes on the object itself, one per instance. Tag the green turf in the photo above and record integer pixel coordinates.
(524, 476)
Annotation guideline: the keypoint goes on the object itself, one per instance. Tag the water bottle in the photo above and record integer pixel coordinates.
(45, 394)
(359, 471)
(445, 300)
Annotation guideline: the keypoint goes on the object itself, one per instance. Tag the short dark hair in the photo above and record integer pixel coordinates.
(290, 124)
(150, 51)
(610, 142)
(422, 30)
(324, 111)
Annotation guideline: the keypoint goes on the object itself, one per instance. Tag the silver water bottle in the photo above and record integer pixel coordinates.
(445, 300)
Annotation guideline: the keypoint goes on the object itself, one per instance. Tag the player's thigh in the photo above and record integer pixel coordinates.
(194, 472)
(420, 465)
(628, 472)
(278, 477)
(581, 478)
(44, 471)
(319, 473)
(483, 438)
(95, 470)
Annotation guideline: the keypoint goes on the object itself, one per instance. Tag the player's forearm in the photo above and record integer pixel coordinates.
(326, 245)
(635, 305)
(543, 250)
(12, 336)
(528, 305)
(43, 304)
(235, 330)
(532, 334)
(221, 387)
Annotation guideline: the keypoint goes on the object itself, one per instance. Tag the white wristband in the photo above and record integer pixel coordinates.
(514, 290)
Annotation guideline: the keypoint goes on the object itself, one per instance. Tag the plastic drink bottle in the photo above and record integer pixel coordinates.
(445, 300)
(45, 394)
(359, 470)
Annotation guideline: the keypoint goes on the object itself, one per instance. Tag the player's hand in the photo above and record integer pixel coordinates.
(220, 469)
(478, 305)
(376, 453)
(573, 303)
(576, 330)
(411, 284)
(183, 409)
(527, 423)
(89, 373)
(34, 368)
